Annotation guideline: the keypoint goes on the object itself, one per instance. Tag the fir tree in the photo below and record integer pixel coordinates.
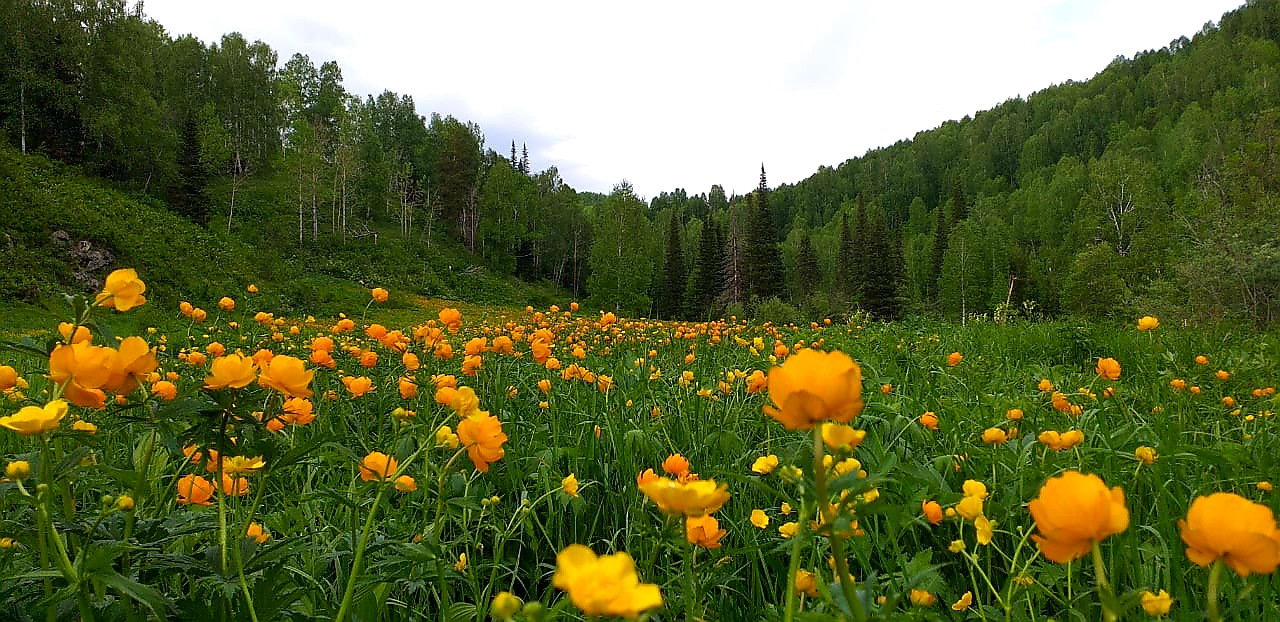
(844, 257)
(524, 158)
(669, 300)
(860, 264)
(734, 260)
(515, 164)
(884, 252)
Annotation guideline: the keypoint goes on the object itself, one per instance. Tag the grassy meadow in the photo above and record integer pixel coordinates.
(117, 513)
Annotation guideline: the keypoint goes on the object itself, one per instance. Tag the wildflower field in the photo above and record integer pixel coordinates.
(568, 464)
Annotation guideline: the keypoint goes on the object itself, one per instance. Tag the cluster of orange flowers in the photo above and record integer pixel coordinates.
(688, 496)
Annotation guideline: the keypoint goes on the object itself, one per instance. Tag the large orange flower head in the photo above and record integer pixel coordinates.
(132, 362)
(693, 498)
(233, 371)
(194, 489)
(1073, 512)
(703, 531)
(287, 375)
(1227, 526)
(122, 291)
(377, 467)
(82, 370)
(815, 386)
(1109, 368)
(604, 586)
(451, 318)
(481, 433)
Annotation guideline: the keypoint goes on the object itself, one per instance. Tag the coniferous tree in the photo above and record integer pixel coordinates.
(764, 266)
(188, 196)
(735, 258)
(669, 300)
(940, 231)
(515, 164)
(710, 268)
(860, 262)
(959, 211)
(883, 251)
(524, 158)
(844, 258)
(808, 274)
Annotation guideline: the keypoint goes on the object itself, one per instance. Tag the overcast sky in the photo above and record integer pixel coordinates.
(689, 94)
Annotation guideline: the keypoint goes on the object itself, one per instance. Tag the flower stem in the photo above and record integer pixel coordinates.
(837, 542)
(795, 562)
(1211, 594)
(355, 565)
(1104, 588)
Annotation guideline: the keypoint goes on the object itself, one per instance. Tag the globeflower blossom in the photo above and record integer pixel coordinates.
(1073, 512)
(604, 586)
(814, 386)
(122, 291)
(1234, 529)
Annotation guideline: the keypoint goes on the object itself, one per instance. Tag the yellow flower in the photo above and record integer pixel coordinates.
(994, 436)
(124, 503)
(569, 485)
(788, 530)
(405, 483)
(703, 531)
(969, 507)
(986, 530)
(963, 603)
(815, 386)
(923, 598)
(287, 375)
(32, 420)
(446, 438)
(975, 488)
(1145, 455)
(17, 470)
(1146, 323)
(1264, 486)
(838, 436)
(241, 465)
(604, 586)
(84, 426)
(122, 291)
(956, 546)
(257, 533)
(785, 508)
(461, 564)
(1156, 604)
(693, 498)
(504, 606)
(806, 583)
(1073, 512)
(765, 464)
(1234, 529)
(759, 519)
(231, 371)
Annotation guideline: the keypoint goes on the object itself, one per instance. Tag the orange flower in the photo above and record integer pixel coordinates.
(82, 369)
(122, 291)
(234, 371)
(646, 477)
(368, 358)
(404, 483)
(994, 436)
(1236, 530)
(1073, 512)
(481, 433)
(410, 361)
(675, 464)
(954, 359)
(357, 386)
(1146, 323)
(408, 388)
(287, 375)
(814, 386)
(133, 361)
(227, 304)
(377, 466)
(703, 531)
(1109, 368)
(929, 420)
(471, 365)
(193, 489)
(81, 333)
(932, 511)
(165, 390)
(451, 318)
(604, 586)
(379, 295)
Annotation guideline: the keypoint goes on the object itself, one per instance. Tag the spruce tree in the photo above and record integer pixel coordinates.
(808, 275)
(710, 268)
(884, 253)
(860, 264)
(764, 266)
(515, 164)
(669, 300)
(524, 158)
(188, 196)
(940, 231)
(844, 258)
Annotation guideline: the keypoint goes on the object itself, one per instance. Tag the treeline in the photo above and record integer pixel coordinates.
(1150, 186)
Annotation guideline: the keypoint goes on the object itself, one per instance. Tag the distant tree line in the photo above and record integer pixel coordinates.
(1151, 186)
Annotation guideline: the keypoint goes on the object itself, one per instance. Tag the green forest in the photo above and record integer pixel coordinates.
(1151, 188)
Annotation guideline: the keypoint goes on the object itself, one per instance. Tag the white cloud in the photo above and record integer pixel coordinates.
(689, 94)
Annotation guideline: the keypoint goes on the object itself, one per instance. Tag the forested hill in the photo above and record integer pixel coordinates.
(1151, 187)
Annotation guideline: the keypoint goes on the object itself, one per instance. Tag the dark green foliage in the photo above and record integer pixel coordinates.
(188, 195)
(763, 268)
(670, 298)
(708, 278)
(808, 274)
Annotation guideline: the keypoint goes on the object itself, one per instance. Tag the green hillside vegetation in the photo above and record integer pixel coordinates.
(52, 211)
(1149, 188)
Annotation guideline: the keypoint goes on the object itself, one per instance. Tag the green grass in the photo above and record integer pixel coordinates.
(315, 506)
